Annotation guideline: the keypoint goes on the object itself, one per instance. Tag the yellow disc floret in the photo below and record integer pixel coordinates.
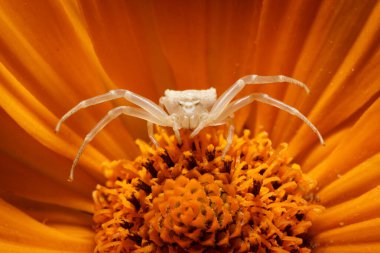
(188, 198)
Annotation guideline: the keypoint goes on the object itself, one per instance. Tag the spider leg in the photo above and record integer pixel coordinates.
(151, 133)
(204, 121)
(231, 130)
(112, 114)
(264, 98)
(222, 102)
(177, 135)
(176, 128)
(155, 110)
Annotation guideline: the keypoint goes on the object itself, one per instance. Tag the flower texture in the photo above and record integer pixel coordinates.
(264, 195)
(189, 198)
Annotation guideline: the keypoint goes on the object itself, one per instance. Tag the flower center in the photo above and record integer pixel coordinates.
(191, 199)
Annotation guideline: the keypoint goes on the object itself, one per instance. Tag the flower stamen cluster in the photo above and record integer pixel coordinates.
(189, 198)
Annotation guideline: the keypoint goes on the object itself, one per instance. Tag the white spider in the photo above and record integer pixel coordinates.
(190, 109)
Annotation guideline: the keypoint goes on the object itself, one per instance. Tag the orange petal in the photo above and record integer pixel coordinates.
(353, 86)
(43, 73)
(15, 247)
(17, 227)
(41, 173)
(358, 144)
(126, 41)
(181, 39)
(318, 154)
(350, 248)
(68, 221)
(26, 182)
(49, 214)
(336, 27)
(362, 232)
(355, 182)
(362, 208)
(279, 43)
(31, 115)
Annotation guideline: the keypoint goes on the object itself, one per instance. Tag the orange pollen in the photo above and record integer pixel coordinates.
(189, 198)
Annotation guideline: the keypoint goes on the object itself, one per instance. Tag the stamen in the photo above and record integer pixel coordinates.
(189, 198)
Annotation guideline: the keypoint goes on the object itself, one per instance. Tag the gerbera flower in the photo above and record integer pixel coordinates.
(57, 53)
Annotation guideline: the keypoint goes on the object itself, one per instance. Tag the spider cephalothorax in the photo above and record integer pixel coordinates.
(188, 106)
(190, 109)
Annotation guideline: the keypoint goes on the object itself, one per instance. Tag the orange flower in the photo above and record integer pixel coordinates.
(57, 53)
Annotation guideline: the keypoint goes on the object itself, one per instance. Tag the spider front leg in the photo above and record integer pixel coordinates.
(264, 98)
(114, 113)
(206, 122)
(151, 134)
(239, 85)
(203, 122)
(175, 130)
(174, 119)
(144, 103)
(231, 130)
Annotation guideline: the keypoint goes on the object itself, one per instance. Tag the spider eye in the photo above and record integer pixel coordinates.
(188, 104)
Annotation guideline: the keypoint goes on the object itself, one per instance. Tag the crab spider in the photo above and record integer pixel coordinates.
(189, 109)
